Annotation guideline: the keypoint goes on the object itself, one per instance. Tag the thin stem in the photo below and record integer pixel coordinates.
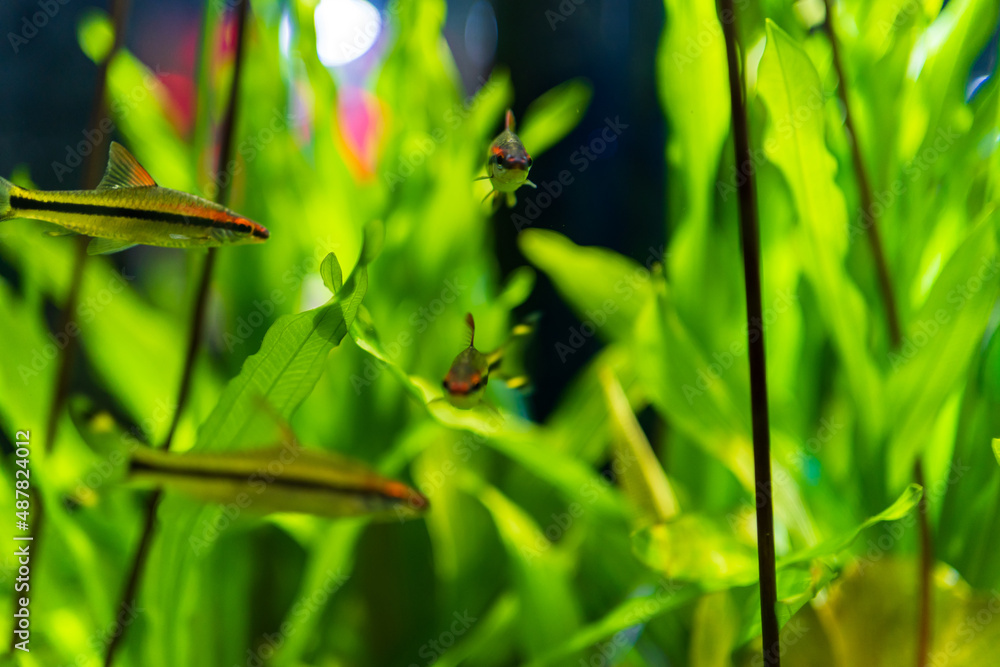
(91, 177)
(864, 189)
(750, 232)
(926, 570)
(197, 324)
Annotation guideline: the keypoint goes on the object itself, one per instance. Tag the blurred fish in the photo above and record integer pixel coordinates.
(507, 165)
(470, 371)
(128, 208)
(286, 478)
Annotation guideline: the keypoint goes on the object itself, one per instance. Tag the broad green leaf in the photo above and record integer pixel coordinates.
(331, 272)
(903, 505)
(938, 346)
(716, 626)
(996, 449)
(541, 574)
(285, 370)
(668, 596)
(95, 34)
(790, 88)
(641, 475)
(553, 115)
(607, 290)
(697, 549)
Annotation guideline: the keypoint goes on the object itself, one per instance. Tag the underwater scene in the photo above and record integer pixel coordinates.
(582, 333)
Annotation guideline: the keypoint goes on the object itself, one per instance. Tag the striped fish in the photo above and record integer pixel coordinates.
(128, 208)
(288, 478)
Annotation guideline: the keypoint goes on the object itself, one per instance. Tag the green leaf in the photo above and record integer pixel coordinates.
(331, 273)
(679, 549)
(553, 115)
(604, 288)
(790, 88)
(996, 449)
(903, 505)
(715, 632)
(934, 356)
(548, 609)
(640, 473)
(96, 34)
(286, 368)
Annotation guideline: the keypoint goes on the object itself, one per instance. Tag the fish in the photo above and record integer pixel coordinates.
(469, 373)
(128, 208)
(507, 165)
(282, 478)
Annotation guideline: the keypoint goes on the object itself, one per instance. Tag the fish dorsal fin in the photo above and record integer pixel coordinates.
(509, 120)
(124, 171)
(107, 246)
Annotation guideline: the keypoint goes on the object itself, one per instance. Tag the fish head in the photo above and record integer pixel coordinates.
(257, 233)
(508, 164)
(467, 379)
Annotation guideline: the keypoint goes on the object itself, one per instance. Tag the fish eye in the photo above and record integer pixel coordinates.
(444, 383)
(529, 162)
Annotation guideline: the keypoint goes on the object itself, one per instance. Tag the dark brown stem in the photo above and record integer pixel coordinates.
(91, 177)
(750, 232)
(926, 572)
(197, 324)
(864, 189)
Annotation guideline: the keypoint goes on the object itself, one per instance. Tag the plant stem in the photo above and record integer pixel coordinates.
(926, 570)
(197, 324)
(864, 189)
(91, 177)
(750, 232)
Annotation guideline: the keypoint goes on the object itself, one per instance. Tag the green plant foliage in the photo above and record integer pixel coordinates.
(620, 528)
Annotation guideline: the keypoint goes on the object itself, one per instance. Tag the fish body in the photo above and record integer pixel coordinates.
(287, 478)
(469, 373)
(507, 164)
(128, 208)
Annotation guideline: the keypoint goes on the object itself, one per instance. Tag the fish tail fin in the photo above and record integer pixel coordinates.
(509, 120)
(6, 188)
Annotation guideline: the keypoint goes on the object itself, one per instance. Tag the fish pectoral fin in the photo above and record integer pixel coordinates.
(482, 178)
(124, 171)
(107, 246)
(527, 182)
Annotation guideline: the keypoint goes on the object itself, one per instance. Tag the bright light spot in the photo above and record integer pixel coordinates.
(481, 33)
(345, 30)
(285, 33)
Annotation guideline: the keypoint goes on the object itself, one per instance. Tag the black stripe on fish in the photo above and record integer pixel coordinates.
(18, 202)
